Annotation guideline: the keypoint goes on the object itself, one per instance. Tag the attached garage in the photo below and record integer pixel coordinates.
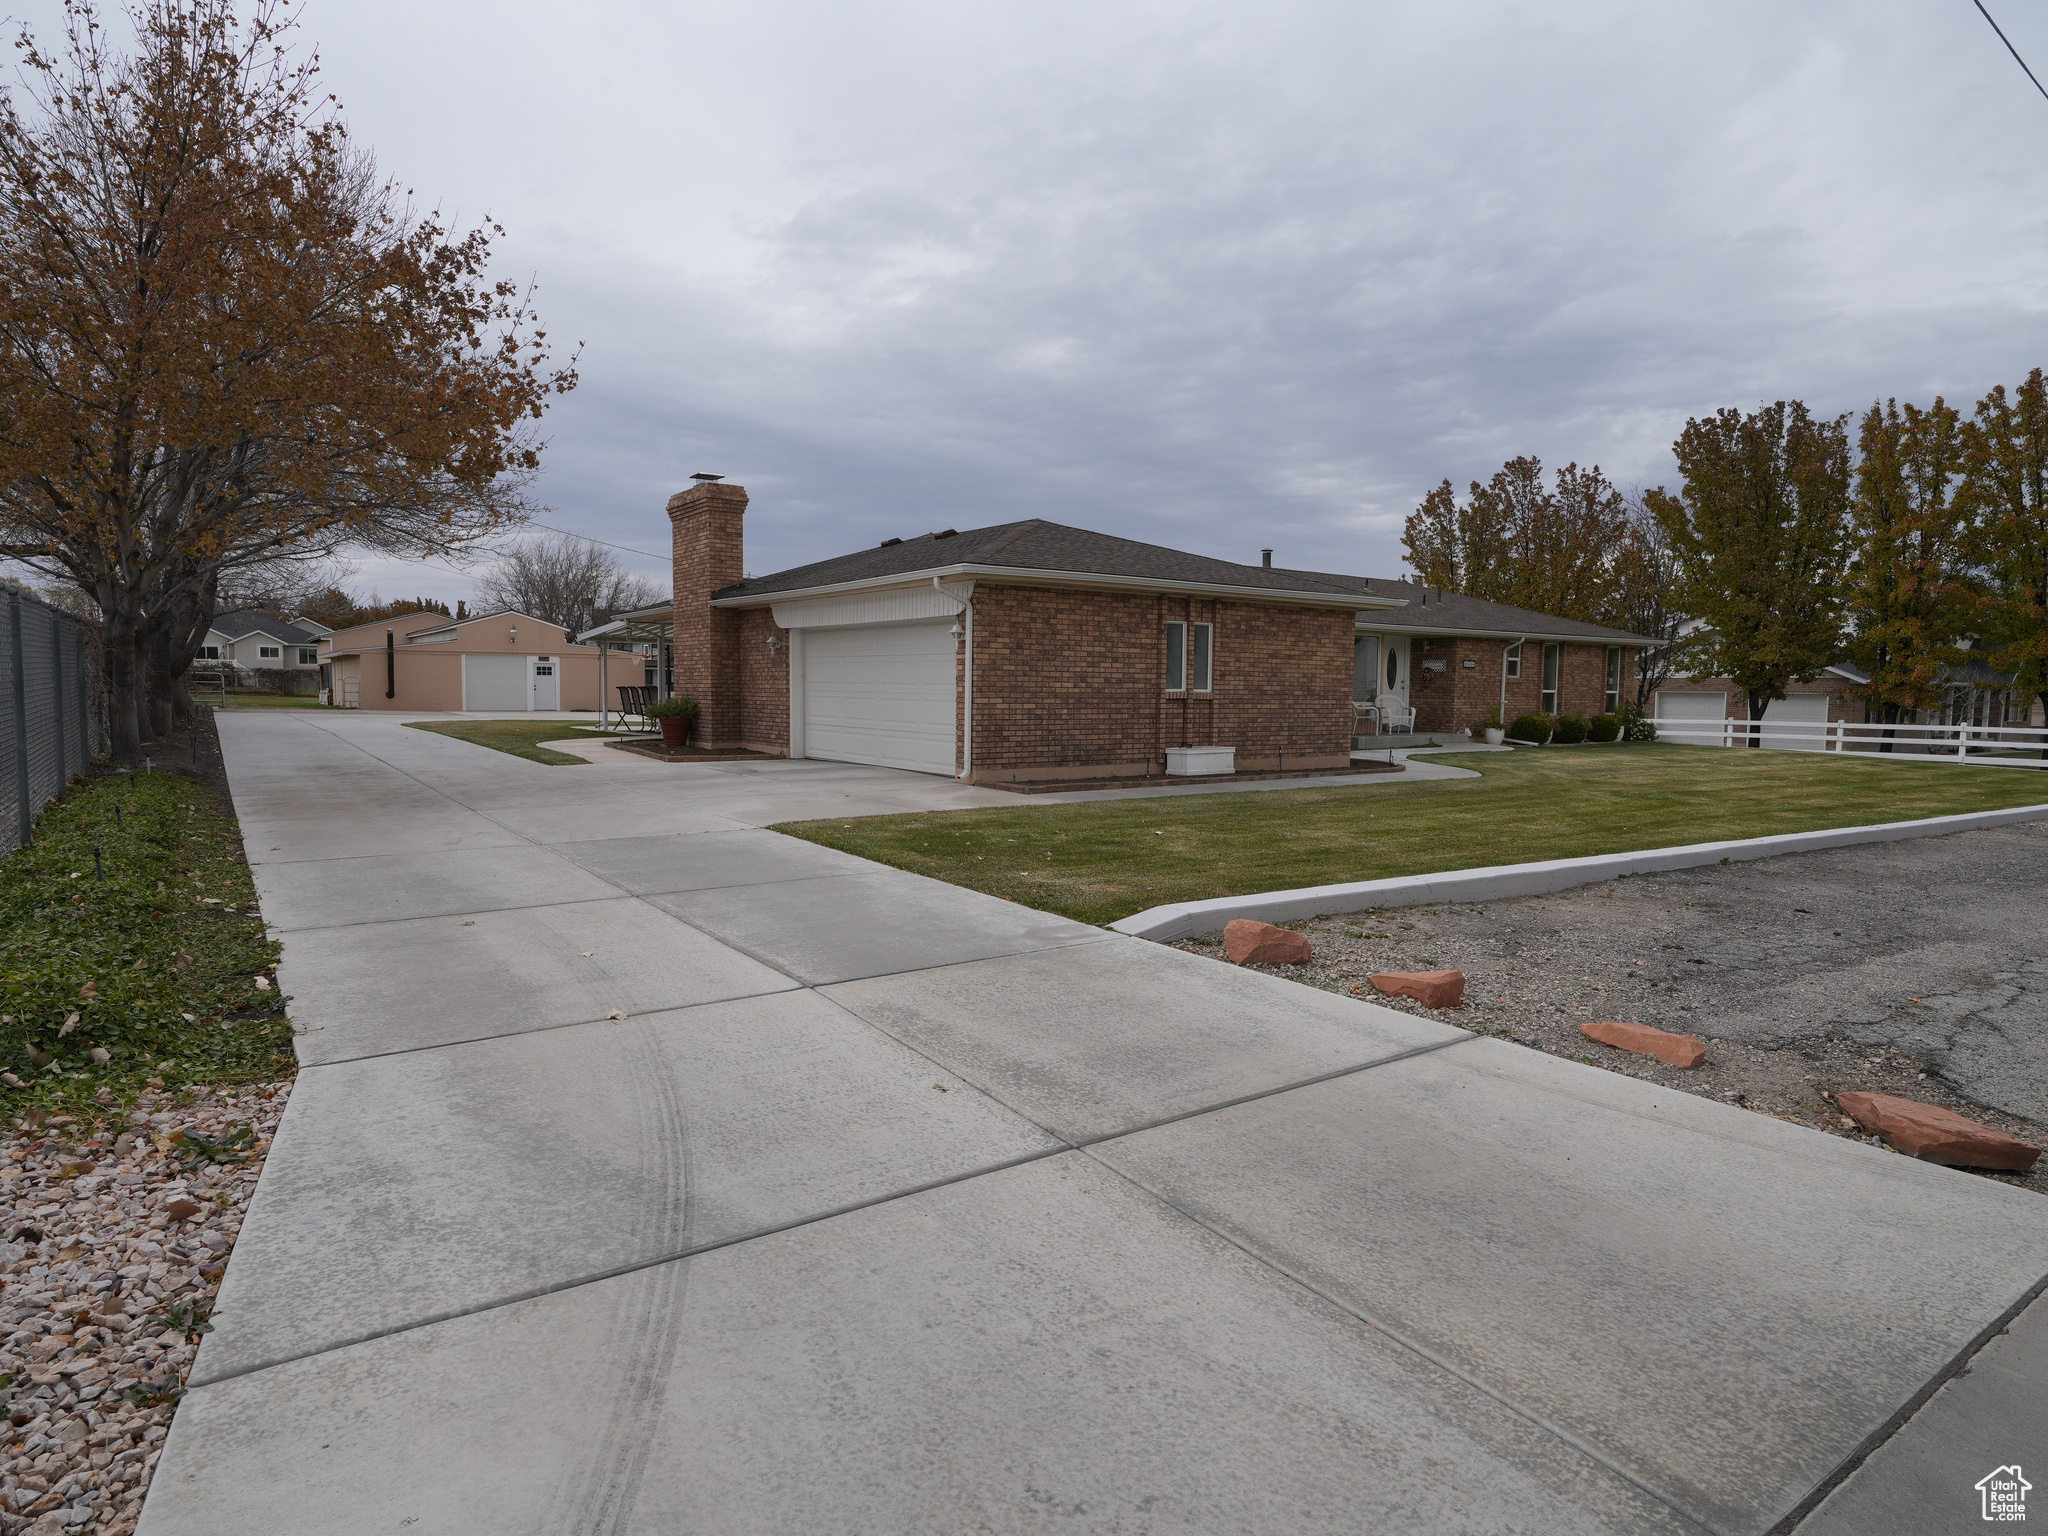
(1675, 707)
(496, 682)
(881, 694)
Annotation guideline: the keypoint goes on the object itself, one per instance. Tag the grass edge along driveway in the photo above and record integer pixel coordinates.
(521, 738)
(1104, 860)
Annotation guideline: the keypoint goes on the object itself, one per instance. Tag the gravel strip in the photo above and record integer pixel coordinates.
(1917, 970)
(115, 1237)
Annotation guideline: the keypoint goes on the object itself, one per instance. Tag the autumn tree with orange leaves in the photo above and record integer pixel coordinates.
(224, 340)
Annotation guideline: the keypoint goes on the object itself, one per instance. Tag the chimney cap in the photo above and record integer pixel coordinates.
(705, 479)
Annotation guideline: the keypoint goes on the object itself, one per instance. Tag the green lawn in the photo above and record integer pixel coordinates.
(141, 966)
(1107, 859)
(521, 738)
(269, 700)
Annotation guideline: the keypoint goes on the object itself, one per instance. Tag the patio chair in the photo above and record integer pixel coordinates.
(634, 699)
(1396, 717)
(1365, 718)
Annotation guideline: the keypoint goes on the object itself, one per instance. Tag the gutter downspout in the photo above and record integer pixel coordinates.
(967, 720)
(390, 665)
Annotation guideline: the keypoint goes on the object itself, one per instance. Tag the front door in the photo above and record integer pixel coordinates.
(547, 687)
(1394, 667)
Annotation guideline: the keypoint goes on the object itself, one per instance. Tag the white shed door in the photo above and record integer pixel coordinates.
(496, 682)
(1675, 706)
(881, 694)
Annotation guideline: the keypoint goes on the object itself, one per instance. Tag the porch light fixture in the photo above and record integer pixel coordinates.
(775, 645)
(957, 631)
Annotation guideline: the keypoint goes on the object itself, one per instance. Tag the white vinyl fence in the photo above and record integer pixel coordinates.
(1987, 746)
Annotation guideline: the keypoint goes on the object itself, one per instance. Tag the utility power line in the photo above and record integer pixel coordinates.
(586, 538)
(2043, 89)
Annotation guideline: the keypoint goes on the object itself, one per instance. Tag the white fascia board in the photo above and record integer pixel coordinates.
(1093, 582)
(1364, 622)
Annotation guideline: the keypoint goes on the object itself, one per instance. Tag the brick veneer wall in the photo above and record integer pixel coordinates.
(1461, 697)
(764, 681)
(706, 526)
(1073, 684)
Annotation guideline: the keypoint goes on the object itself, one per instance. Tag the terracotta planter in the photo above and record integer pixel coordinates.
(675, 730)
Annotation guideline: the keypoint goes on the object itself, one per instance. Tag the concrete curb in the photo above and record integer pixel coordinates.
(1186, 919)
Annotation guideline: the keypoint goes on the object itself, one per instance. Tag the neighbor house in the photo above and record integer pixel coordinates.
(250, 641)
(427, 661)
(1035, 652)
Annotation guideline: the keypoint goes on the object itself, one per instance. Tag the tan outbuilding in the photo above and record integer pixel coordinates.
(502, 661)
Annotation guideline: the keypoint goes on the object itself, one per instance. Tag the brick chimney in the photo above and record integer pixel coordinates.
(708, 540)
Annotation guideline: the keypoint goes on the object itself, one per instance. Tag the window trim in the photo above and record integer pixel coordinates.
(208, 653)
(309, 656)
(1613, 678)
(1176, 656)
(1515, 661)
(270, 653)
(1201, 658)
(1553, 670)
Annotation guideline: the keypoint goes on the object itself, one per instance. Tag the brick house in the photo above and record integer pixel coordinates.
(1033, 652)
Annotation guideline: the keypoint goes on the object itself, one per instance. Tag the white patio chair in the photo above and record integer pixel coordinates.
(1365, 718)
(1396, 717)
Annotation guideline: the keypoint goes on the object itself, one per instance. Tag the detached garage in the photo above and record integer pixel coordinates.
(881, 694)
(496, 663)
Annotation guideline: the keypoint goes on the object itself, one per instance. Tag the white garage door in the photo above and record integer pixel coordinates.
(1803, 709)
(495, 682)
(880, 694)
(1675, 706)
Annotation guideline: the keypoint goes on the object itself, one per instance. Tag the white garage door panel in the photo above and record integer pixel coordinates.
(1805, 707)
(1673, 705)
(495, 682)
(880, 694)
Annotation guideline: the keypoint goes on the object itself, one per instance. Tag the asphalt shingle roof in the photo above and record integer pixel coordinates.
(1032, 545)
(1037, 545)
(250, 621)
(1435, 610)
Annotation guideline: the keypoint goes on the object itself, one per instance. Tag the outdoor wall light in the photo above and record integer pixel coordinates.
(515, 631)
(775, 645)
(956, 633)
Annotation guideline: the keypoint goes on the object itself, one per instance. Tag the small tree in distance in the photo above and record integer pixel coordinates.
(565, 580)
(1759, 535)
(2006, 489)
(1910, 600)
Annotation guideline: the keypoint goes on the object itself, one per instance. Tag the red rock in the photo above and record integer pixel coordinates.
(1432, 989)
(1246, 942)
(1672, 1050)
(1937, 1135)
(179, 1210)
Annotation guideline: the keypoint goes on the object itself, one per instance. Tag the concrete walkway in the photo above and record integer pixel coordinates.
(891, 1207)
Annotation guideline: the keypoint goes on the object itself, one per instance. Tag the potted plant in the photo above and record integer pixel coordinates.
(1494, 733)
(676, 715)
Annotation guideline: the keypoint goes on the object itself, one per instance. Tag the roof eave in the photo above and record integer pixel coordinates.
(1467, 633)
(1093, 580)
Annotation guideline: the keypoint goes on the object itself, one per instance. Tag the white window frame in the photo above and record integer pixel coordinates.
(309, 656)
(1201, 658)
(1553, 676)
(1176, 657)
(1515, 661)
(270, 653)
(1613, 678)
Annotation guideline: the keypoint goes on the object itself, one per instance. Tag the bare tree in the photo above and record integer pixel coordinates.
(565, 580)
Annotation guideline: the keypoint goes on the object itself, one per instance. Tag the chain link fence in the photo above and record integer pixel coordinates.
(50, 726)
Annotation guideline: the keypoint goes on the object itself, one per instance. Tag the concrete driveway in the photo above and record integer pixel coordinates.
(882, 1205)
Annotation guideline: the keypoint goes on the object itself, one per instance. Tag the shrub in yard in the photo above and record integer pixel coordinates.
(1533, 730)
(1633, 726)
(681, 707)
(1603, 728)
(1571, 730)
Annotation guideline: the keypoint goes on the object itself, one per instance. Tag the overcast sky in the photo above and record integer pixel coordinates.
(1218, 277)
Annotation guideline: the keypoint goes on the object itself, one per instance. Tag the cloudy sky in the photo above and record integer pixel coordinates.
(1213, 276)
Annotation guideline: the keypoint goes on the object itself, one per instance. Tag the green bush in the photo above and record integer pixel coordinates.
(1570, 731)
(1603, 728)
(681, 707)
(1533, 730)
